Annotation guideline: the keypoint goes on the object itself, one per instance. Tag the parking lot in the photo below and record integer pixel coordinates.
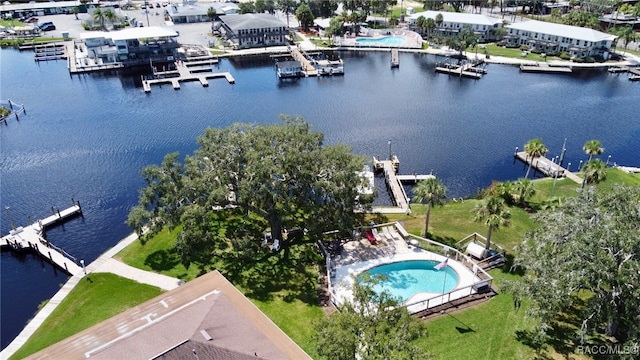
(196, 33)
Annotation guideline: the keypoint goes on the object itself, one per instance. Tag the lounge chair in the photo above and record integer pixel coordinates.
(370, 237)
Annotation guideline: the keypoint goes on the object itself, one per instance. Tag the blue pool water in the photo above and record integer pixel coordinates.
(387, 40)
(406, 278)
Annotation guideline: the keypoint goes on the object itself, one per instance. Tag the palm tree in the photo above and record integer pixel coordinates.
(109, 16)
(420, 23)
(431, 191)
(75, 10)
(594, 172)
(211, 13)
(504, 190)
(493, 213)
(525, 189)
(592, 147)
(98, 16)
(534, 148)
(627, 34)
(429, 25)
(439, 19)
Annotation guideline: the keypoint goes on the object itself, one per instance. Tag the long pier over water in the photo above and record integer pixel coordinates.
(547, 167)
(394, 182)
(32, 237)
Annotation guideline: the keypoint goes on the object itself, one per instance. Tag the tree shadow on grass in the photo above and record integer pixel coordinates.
(508, 266)
(162, 260)
(268, 276)
(447, 240)
(563, 334)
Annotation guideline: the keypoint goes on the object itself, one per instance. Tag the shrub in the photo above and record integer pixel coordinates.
(536, 51)
(524, 47)
(565, 56)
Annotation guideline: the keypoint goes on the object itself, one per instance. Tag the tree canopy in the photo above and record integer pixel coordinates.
(372, 326)
(265, 177)
(584, 259)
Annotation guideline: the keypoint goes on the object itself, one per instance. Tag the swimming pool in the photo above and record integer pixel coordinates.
(385, 40)
(406, 278)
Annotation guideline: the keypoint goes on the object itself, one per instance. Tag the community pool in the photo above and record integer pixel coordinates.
(404, 279)
(385, 40)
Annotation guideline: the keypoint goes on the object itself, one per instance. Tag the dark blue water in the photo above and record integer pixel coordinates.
(87, 137)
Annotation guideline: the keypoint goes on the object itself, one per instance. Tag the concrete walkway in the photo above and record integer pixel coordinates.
(105, 263)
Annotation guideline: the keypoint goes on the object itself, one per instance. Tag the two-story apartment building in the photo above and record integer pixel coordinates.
(452, 23)
(252, 30)
(133, 46)
(549, 37)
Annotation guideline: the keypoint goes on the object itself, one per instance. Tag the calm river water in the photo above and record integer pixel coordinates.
(87, 137)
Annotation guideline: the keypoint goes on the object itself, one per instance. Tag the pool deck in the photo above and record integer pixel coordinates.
(358, 256)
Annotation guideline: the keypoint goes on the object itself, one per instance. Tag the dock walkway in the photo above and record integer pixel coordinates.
(545, 68)
(105, 263)
(548, 167)
(31, 237)
(307, 68)
(395, 58)
(467, 70)
(185, 73)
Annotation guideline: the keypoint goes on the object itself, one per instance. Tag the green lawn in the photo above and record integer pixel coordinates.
(485, 331)
(285, 289)
(157, 255)
(96, 298)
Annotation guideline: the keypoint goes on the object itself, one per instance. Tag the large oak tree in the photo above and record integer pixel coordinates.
(259, 178)
(584, 260)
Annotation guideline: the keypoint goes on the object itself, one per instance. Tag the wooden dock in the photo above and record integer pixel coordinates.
(548, 167)
(413, 178)
(395, 58)
(394, 183)
(31, 237)
(184, 73)
(545, 68)
(307, 68)
(467, 70)
(397, 191)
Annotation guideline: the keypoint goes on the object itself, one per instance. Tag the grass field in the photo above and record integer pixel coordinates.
(286, 289)
(99, 297)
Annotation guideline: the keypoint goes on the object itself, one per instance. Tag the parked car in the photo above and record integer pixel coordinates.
(47, 26)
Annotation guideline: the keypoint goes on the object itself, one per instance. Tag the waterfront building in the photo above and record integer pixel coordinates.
(548, 37)
(452, 23)
(132, 46)
(619, 19)
(188, 12)
(32, 8)
(252, 30)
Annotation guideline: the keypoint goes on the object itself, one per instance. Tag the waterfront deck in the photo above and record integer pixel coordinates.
(184, 73)
(547, 167)
(307, 68)
(395, 58)
(31, 237)
(546, 68)
(467, 70)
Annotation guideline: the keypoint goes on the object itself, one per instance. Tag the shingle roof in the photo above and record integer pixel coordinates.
(251, 21)
(207, 314)
(573, 32)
